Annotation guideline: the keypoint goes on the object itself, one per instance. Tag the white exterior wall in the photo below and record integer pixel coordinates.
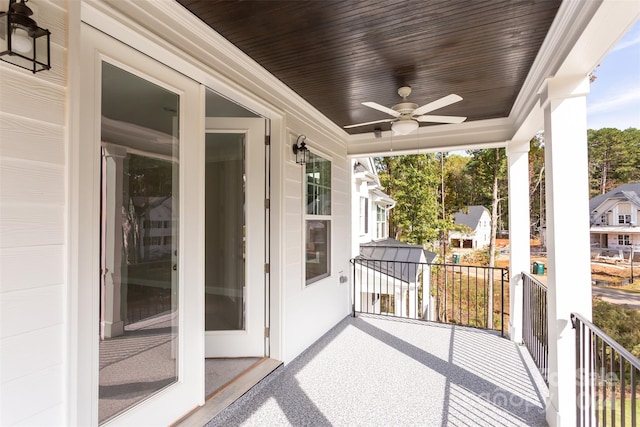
(483, 231)
(310, 311)
(33, 209)
(612, 240)
(36, 365)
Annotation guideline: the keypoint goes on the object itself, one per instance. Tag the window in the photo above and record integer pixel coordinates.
(364, 216)
(381, 222)
(624, 240)
(317, 219)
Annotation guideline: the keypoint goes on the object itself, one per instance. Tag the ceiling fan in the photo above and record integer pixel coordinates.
(406, 115)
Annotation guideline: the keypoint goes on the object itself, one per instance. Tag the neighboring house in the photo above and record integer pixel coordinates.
(156, 226)
(373, 203)
(261, 245)
(478, 219)
(393, 276)
(614, 218)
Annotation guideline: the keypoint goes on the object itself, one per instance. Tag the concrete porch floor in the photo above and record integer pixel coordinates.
(377, 371)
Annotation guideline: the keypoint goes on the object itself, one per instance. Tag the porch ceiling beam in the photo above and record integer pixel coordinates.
(465, 136)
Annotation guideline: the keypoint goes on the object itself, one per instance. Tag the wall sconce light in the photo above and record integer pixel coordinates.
(301, 151)
(22, 42)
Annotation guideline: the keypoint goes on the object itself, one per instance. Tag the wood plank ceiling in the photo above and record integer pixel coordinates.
(337, 54)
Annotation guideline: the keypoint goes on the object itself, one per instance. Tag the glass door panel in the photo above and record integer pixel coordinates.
(224, 237)
(235, 284)
(139, 238)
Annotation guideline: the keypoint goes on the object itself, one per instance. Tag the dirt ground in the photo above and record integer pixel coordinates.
(615, 273)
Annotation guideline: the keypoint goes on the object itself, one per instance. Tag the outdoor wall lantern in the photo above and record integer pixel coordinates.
(22, 42)
(301, 151)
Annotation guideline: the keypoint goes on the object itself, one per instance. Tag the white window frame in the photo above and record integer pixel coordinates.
(364, 216)
(318, 217)
(624, 240)
(624, 218)
(381, 233)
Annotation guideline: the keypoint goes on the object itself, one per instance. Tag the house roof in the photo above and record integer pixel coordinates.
(394, 258)
(630, 192)
(471, 217)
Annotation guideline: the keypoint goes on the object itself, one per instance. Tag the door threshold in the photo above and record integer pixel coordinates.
(229, 393)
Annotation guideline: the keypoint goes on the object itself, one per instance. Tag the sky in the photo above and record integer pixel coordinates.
(614, 100)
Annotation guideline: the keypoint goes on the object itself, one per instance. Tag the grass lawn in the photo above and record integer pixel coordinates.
(627, 412)
(633, 288)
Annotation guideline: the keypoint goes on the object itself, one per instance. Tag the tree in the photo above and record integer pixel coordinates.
(614, 158)
(413, 182)
(458, 183)
(489, 168)
(536, 184)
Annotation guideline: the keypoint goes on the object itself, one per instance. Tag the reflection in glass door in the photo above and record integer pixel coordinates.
(139, 226)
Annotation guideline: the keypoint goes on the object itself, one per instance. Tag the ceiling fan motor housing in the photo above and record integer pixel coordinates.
(405, 108)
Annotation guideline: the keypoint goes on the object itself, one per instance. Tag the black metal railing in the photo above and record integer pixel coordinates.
(534, 323)
(607, 378)
(447, 293)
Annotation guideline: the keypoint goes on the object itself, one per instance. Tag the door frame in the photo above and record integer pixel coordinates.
(83, 178)
(256, 319)
(179, 397)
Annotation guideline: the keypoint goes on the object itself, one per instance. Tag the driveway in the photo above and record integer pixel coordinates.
(614, 296)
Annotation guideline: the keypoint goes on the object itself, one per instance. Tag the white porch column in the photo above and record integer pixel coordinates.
(568, 254)
(519, 230)
(112, 323)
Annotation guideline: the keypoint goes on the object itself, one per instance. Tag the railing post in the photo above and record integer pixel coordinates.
(502, 305)
(603, 374)
(353, 302)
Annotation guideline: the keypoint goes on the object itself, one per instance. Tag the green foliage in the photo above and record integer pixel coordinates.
(620, 323)
(458, 183)
(536, 184)
(482, 167)
(413, 182)
(614, 158)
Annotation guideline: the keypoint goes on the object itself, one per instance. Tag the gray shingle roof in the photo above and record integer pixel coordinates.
(629, 192)
(471, 218)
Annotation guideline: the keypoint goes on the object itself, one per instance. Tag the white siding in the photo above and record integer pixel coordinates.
(310, 311)
(33, 207)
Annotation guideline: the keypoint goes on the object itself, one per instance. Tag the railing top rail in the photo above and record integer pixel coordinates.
(354, 261)
(607, 339)
(534, 280)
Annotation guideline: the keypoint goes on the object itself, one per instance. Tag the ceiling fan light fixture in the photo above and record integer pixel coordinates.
(404, 126)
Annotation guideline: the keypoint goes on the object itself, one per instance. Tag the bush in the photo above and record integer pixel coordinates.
(620, 323)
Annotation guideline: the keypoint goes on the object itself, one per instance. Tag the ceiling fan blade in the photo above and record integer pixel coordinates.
(442, 102)
(441, 119)
(368, 123)
(382, 108)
